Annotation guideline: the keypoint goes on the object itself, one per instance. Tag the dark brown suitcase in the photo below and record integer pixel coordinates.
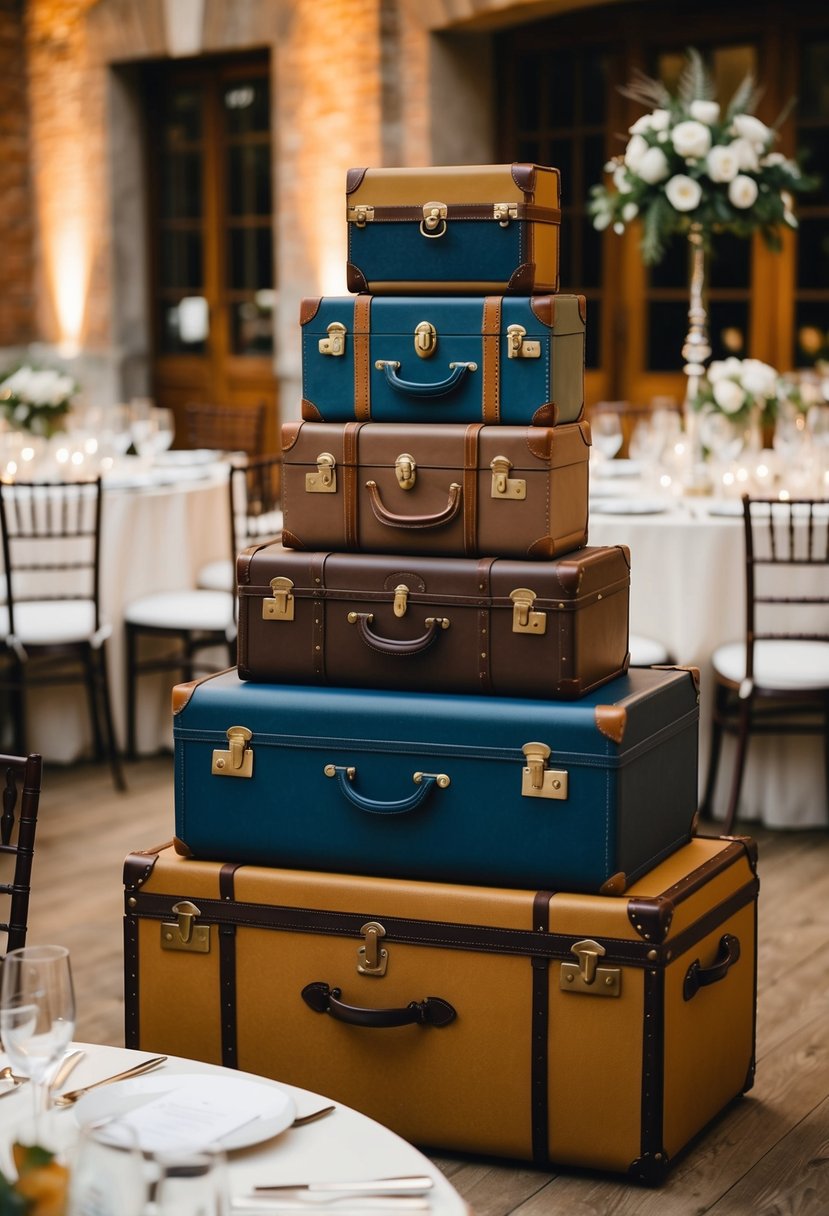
(528, 629)
(450, 490)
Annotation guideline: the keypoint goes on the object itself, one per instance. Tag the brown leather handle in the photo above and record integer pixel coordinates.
(396, 646)
(698, 977)
(433, 1011)
(415, 521)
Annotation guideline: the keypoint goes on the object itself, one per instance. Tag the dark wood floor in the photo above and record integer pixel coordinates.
(768, 1156)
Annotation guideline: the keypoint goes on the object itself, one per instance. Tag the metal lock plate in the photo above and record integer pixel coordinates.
(372, 957)
(361, 214)
(504, 212)
(433, 223)
(538, 781)
(184, 934)
(425, 339)
(519, 346)
(324, 481)
(281, 606)
(586, 976)
(406, 471)
(504, 486)
(524, 618)
(334, 344)
(237, 760)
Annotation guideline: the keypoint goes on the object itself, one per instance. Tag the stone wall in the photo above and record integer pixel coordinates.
(16, 227)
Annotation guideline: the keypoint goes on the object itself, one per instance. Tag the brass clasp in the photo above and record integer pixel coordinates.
(524, 618)
(401, 595)
(281, 606)
(504, 212)
(237, 759)
(324, 481)
(537, 780)
(433, 223)
(185, 934)
(425, 339)
(406, 471)
(586, 975)
(504, 486)
(334, 344)
(373, 958)
(519, 346)
(361, 214)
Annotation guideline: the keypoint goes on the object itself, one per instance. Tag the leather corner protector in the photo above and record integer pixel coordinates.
(182, 693)
(751, 847)
(651, 918)
(181, 848)
(138, 866)
(544, 309)
(569, 576)
(290, 540)
(543, 548)
(308, 309)
(582, 305)
(612, 721)
(546, 414)
(354, 179)
(693, 672)
(586, 431)
(540, 442)
(651, 1168)
(356, 281)
(309, 411)
(523, 175)
(521, 280)
(625, 552)
(615, 885)
(290, 434)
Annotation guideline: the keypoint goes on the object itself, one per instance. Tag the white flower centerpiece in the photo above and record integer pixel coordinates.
(37, 399)
(746, 391)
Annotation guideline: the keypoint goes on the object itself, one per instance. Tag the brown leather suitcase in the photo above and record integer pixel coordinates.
(528, 629)
(446, 489)
(587, 1030)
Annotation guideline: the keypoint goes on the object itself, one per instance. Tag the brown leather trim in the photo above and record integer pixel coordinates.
(653, 1078)
(354, 179)
(411, 213)
(182, 849)
(582, 308)
(355, 280)
(569, 576)
(543, 548)
(540, 1033)
(615, 885)
(131, 1024)
(586, 432)
(692, 882)
(309, 411)
(522, 280)
(540, 442)
(611, 720)
(484, 586)
(362, 356)
(545, 415)
(290, 540)
(491, 344)
(351, 432)
(227, 973)
(651, 918)
(318, 627)
(138, 865)
(713, 918)
(693, 672)
(544, 309)
(290, 434)
(524, 175)
(470, 489)
(182, 693)
(308, 309)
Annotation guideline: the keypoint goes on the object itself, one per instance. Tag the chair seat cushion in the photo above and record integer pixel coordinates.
(217, 576)
(50, 622)
(197, 609)
(645, 652)
(786, 665)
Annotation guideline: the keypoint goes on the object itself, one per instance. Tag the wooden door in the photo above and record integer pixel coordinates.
(209, 151)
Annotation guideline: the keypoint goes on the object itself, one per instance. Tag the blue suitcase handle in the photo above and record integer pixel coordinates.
(384, 516)
(437, 388)
(397, 646)
(425, 783)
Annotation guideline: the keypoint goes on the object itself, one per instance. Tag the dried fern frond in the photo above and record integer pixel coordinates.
(784, 114)
(695, 82)
(746, 98)
(646, 90)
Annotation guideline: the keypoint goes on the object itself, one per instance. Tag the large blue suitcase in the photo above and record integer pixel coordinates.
(582, 796)
(500, 359)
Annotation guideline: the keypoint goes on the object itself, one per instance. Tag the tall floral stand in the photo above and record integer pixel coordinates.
(695, 351)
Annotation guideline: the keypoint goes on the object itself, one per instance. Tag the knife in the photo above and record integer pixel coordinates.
(407, 1184)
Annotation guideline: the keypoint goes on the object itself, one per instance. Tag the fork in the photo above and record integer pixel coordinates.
(72, 1096)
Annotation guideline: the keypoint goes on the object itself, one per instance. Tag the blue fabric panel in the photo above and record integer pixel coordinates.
(470, 251)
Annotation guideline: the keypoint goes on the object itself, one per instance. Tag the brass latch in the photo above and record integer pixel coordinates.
(586, 975)
(334, 344)
(324, 481)
(519, 346)
(401, 595)
(524, 618)
(537, 780)
(185, 934)
(425, 339)
(433, 223)
(373, 957)
(406, 471)
(504, 212)
(361, 214)
(281, 606)
(504, 486)
(237, 761)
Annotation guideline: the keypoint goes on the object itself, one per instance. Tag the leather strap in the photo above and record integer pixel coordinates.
(491, 343)
(131, 1026)
(470, 488)
(653, 1076)
(318, 628)
(351, 432)
(362, 357)
(482, 581)
(532, 212)
(227, 971)
(539, 1064)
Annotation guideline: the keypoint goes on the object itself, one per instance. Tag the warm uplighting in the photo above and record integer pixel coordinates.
(67, 260)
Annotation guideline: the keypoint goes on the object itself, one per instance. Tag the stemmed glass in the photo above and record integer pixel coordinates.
(37, 1016)
(607, 434)
(165, 429)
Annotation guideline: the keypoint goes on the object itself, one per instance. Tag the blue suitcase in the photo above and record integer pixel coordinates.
(581, 796)
(500, 359)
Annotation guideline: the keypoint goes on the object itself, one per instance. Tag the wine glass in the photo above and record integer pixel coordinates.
(607, 434)
(107, 1175)
(190, 1183)
(37, 1016)
(165, 429)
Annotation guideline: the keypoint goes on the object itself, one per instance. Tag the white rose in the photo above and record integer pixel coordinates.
(705, 111)
(660, 120)
(759, 379)
(621, 180)
(722, 164)
(750, 128)
(641, 126)
(629, 212)
(746, 154)
(635, 150)
(653, 167)
(601, 220)
(719, 369)
(691, 138)
(773, 158)
(683, 192)
(728, 396)
(742, 192)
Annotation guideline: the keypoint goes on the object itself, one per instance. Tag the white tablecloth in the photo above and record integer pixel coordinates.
(687, 591)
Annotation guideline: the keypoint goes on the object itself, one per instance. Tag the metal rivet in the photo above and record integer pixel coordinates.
(132, 901)
(569, 978)
(561, 605)
(653, 956)
(483, 654)
(609, 981)
(556, 785)
(220, 764)
(599, 596)
(316, 648)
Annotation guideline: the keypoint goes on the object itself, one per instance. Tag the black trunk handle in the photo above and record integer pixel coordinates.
(698, 977)
(433, 1011)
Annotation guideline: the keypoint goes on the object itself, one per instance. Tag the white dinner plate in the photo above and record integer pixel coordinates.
(627, 506)
(727, 507)
(617, 468)
(270, 1109)
(185, 456)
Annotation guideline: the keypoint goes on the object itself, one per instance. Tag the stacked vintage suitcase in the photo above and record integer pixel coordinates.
(490, 927)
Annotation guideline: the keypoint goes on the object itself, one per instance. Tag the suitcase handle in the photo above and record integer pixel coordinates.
(433, 1011)
(425, 783)
(698, 977)
(384, 516)
(395, 646)
(433, 388)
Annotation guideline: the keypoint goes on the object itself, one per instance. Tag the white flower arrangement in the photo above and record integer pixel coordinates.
(740, 388)
(36, 399)
(688, 163)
